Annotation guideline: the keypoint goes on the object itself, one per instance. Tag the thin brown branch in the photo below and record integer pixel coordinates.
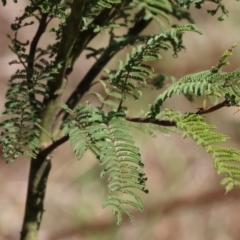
(167, 123)
(41, 28)
(45, 152)
(164, 123)
(86, 82)
(216, 107)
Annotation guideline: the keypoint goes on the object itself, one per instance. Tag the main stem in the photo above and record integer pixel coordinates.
(41, 165)
(39, 171)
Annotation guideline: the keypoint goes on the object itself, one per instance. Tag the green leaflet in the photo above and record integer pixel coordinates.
(226, 160)
(109, 138)
(23, 110)
(124, 166)
(135, 69)
(93, 8)
(155, 8)
(198, 4)
(205, 83)
(20, 135)
(108, 135)
(85, 129)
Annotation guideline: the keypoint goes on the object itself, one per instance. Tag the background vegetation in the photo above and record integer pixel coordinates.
(186, 200)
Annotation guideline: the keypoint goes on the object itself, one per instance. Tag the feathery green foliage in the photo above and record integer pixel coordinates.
(108, 137)
(226, 160)
(34, 94)
(198, 4)
(23, 114)
(123, 82)
(21, 131)
(212, 82)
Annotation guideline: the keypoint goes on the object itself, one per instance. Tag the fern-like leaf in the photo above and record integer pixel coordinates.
(155, 9)
(135, 69)
(23, 112)
(109, 139)
(123, 164)
(212, 82)
(226, 160)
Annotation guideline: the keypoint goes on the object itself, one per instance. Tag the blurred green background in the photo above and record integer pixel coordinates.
(185, 201)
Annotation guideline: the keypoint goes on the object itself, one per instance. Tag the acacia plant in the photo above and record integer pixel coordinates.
(36, 122)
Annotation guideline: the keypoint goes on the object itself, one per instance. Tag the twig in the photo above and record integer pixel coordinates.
(86, 82)
(164, 123)
(202, 111)
(167, 123)
(45, 152)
